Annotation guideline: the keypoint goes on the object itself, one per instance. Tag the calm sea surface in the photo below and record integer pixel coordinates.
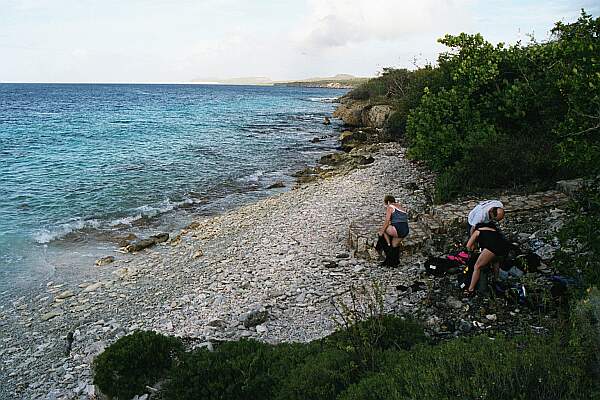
(81, 165)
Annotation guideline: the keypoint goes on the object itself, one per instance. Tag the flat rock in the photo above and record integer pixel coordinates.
(65, 295)
(105, 261)
(48, 316)
(92, 287)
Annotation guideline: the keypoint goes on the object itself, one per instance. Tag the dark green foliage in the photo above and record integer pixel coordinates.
(378, 386)
(565, 365)
(400, 88)
(130, 364)
(381, 332)
(480, 367)
(512, 116)
(580, 237)
(321, 377)
(585, 334)
(244, 369)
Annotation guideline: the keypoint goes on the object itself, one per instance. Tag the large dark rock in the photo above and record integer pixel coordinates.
(276, 185)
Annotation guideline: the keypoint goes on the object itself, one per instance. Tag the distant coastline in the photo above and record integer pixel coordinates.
(340, 81)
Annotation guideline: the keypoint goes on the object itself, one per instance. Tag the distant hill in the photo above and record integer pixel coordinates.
(340, 81)
(337, 81)
(249, 80)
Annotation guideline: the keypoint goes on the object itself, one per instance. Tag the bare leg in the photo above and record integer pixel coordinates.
(387, 238)
(389, 234)
(484, 259)
(396, 242)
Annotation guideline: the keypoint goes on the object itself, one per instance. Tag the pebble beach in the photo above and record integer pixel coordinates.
(284, 259)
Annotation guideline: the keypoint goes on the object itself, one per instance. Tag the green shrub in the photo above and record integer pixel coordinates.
(484, 368)
(395, 125)
(236, 370)
(580, 240)
(126, 367)
(584, 338)
(321, 377)
(383, 332)
(510, 116)
(377, 386)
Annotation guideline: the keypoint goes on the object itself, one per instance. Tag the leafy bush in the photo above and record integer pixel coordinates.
(565, 365)
(585, 334)
(400, 88)
(484, 368)
(512, 116)
(321, 377)
(133, 362)
(580, 244)
(377, 386)
(383, 332)
(236, 370)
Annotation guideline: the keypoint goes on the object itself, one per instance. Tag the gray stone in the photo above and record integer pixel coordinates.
(48, 316)
(261, 329)
(105, 261)
(254, 318)
(92, 287)
(65, 295)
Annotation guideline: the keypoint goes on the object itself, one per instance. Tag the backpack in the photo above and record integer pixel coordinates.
(438, 266)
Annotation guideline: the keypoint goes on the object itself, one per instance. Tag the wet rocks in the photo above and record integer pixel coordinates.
(145, 243)
(276, 185)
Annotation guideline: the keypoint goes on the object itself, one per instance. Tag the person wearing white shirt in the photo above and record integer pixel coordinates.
(485, 212)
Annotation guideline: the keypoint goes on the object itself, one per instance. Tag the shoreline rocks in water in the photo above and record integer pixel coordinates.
(145, 243)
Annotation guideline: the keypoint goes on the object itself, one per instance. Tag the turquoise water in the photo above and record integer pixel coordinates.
(85, 163)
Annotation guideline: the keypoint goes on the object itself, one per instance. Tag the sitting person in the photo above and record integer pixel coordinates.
(493, 246)
(484, 212)
(394, 229)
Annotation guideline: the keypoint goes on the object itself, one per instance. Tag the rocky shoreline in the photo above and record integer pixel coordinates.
(270, 270)
(286, 255)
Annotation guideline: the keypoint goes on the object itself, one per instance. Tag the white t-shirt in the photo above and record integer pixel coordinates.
(481, 212)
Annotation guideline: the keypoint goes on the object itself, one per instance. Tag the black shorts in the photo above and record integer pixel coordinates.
(401, 229)
(494, 242)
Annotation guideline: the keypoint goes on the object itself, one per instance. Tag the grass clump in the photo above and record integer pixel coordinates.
(135, 361)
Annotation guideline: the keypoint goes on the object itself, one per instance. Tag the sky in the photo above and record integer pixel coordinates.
(183, 40)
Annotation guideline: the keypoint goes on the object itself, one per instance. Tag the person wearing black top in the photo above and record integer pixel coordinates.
(492, 244)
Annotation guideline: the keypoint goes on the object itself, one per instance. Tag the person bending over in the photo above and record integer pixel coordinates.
(493, 245)
(394, 229)
(484, 212)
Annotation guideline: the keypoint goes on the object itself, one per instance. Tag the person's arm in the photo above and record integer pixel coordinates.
(386, 222)
(472, 240)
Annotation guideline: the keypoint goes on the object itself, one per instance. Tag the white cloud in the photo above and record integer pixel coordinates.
(334, 23)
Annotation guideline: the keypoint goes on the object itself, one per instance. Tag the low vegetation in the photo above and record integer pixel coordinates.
(560, 366)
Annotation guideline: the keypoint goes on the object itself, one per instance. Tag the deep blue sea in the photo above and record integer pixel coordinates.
(81, 165)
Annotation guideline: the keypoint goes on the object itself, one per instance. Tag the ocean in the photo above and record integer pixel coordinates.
(84, 164)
